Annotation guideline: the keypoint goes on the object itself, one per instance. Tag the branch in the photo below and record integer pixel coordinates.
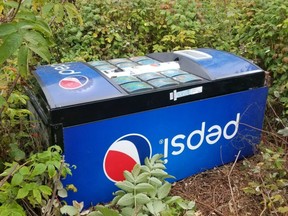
(229, 180)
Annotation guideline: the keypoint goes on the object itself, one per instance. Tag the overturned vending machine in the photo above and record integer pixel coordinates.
(198, 108)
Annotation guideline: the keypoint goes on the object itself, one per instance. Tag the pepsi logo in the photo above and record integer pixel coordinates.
(73, 82)
(124, 154)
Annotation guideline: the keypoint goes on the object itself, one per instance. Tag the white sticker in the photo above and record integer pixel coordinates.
(178, 94)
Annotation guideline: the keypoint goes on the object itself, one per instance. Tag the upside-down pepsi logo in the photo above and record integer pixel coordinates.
(73, 82)
(124, 154)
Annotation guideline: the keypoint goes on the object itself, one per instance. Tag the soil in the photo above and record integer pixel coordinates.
(220, 191)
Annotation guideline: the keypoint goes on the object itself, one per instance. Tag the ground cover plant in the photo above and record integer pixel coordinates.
(36, 32)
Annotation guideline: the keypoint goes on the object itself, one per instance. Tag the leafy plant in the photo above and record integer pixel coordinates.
(271, 182)
(32, 186)
(143, 192)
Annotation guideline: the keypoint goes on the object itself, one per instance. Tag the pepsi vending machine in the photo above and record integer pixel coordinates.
(199, 108)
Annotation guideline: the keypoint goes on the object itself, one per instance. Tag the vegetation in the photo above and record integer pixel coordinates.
(34, 32)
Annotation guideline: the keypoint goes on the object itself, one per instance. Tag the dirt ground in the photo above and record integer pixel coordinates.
(219, 191)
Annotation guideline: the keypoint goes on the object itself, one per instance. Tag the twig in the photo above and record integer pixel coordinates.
(213, 209)
(229, 180)
(16, 11)
(50, 203)
(12, 171)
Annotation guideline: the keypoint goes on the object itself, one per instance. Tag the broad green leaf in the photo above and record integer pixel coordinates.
(43, 27)
(155, 181)
(159, 173)
(142, 177)
(46, 9)
(9, 46)
(37, 195)
(22, 193)
(156, 207)
(23, 60)
(126, 186)
(126, 200)
(144, 187)
(107, 211)
(41, 50)
(127, 211)
(12, 4)
(38, 169)
(12, 209)
(58, 12)
(24, 171)
(69, 210)
(45, 189)
(72, 12)
(128, 176)
(17, 179)
(2, 101)
(26, 15)
(7, 28)
(51, 170)
(35, 38)
(142, 198)
(164, 190)
(136, 170)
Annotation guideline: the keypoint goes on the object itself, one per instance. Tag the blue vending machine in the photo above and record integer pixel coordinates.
(199, 108)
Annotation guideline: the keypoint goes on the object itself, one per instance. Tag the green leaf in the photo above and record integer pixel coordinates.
(164, 190)
(24, 171)
(155, 181)
(45, 189)
(17, 179)
(136, 170)
(126, 186)
(37, 195)
(72, 12)
(69, 210)
(47, 8)
(159, 173)
(9, 46)
(26, 15)
(23, 60)
(142, 177)
(12, 209)
(142, 198)
(144, 187)
(51, 170)
(128, 176)
(127, 211)
(58, 12)
(38, 169)
(42, 51)
(22, 193)
(2, 101)
(106, 211)
(7, 29)
(126, 200)
(35, 38)
(43, 27)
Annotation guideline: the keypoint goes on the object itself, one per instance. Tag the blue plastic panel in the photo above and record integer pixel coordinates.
(73, 83)
(224, 64)
(193, 137)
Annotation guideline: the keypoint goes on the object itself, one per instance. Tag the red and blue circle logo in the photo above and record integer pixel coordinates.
(73, 82)
(124, 154)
